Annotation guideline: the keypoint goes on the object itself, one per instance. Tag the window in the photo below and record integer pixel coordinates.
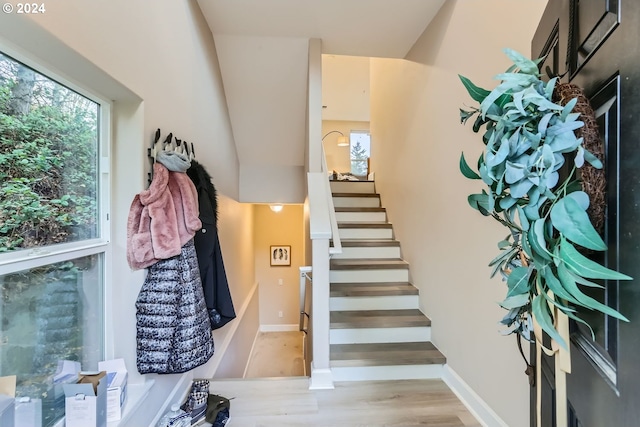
(54, 235)
(360, 149)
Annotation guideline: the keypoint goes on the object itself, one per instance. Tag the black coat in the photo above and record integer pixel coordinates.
(212, 273)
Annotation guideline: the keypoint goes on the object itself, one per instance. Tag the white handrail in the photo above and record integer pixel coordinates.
(336, 247)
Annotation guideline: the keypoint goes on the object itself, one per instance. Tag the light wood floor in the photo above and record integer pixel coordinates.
(276, 354)
(262, 400)
(288, 402)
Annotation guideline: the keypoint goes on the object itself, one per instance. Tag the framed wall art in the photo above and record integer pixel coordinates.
(280, 255)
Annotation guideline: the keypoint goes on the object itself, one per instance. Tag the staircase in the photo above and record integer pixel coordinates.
(377, 331)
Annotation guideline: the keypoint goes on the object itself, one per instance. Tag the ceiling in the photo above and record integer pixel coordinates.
(383, 28)
(262, 48)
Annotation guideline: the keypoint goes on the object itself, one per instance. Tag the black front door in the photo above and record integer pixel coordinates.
(597, 44)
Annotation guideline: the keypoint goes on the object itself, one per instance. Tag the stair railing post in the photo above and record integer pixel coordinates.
(321, 376)
(320, 233)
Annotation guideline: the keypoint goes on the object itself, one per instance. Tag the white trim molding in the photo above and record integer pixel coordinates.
(321, 379)
(470, 399)
(279, 328)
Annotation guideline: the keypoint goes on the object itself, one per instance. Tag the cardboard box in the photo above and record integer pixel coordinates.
(53, 399)
(7, 410)
(7, 400)
(28, 412)
(86, 401)
(117, 376)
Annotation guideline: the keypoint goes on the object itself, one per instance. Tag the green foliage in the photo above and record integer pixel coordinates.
(527, 138)
(48, 168)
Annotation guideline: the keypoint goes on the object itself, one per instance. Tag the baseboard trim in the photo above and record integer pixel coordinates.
(470, 399)
(321, 379)
(253, 345)
(279, 328)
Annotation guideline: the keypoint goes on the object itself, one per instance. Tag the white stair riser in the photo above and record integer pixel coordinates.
(352, 187)
(380, 335)
(356, 202)
(361, 216)
(366, 233)
(360, 276)
(396, 372)
(369, 252)
(392, 302)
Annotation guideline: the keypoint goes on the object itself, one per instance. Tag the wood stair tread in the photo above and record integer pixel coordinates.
(357, 243)
(359, 209)
(364, 224)
(372, 289)
(368, 264)
(355, 195)
(378, 319)
(385, 354)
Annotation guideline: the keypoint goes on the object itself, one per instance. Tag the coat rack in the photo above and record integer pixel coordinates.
(170, 143)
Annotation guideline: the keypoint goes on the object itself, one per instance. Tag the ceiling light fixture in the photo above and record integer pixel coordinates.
(276, 208)
(343, 141)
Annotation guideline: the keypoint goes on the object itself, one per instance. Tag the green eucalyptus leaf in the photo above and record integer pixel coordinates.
(504, 255)
(558, 303)
(555, 285)
(593, 160)
(577, 319)
(524, 64)
(552, 179)
(466, 170)
(585, 267)
(584, 300)
(568, 108)
(507, 202)
(579, 159)
(543, 124)
(541, 313)
(480, 202)
(550, 86)
(536, 239)
(500, 155)
(581, 198)
(568, 217)
(466, 115)
(502, 101)
(561, 128)
(521, 188)
(517, 102)
(514, 172)
(478, 123)
(524, 222)
(503, 244)
(518, 281)
(477, 94)
(515, 301)
(582, 281)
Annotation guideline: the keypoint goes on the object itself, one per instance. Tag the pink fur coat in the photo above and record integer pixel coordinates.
(162, 218)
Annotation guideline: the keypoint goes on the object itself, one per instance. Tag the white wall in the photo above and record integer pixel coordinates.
(159, 66)
(417, 139)
(345, 88)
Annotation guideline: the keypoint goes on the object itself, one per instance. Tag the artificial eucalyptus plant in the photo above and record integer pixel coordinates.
(528, 138)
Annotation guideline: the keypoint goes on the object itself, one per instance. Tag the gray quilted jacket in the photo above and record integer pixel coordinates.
(173, 329)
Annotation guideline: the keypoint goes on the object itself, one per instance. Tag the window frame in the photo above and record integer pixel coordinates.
(351, 160)
(29, 258)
